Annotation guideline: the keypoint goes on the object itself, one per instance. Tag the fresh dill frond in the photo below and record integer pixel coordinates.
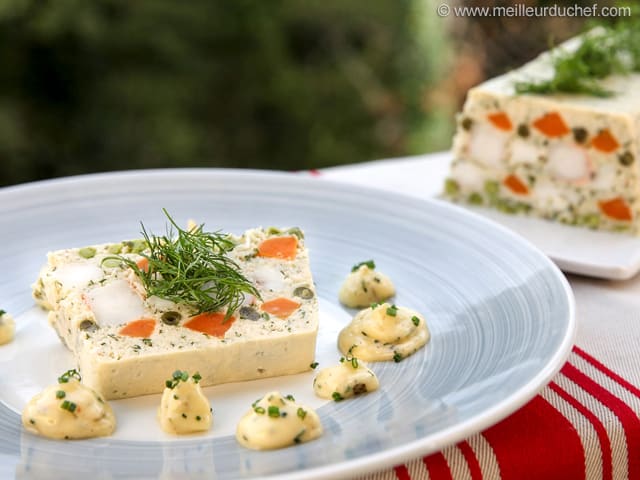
(191, 267)
(607, 51)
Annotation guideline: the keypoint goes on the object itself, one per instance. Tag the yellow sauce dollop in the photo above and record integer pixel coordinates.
(184, 408)
(365, 286)
(350, 377)
(7, 327)
(275, 421)
(384, 332)
(69, 410)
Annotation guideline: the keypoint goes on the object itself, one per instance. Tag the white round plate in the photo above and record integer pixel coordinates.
(500, 313)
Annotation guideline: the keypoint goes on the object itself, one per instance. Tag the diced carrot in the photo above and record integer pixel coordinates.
(143, 264)
(605, 142)
(279, 247)
(139, 328)
(500, 120)
(552, 125)
(517, 186)
(616, 208)
(211, 323)
(280, 307)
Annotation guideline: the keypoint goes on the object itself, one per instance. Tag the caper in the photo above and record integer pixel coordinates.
(626, 159)
(88, 325)
(171, 318)
(303, 292)
(87, 252)
(523, 130)
(580, 134)
(359, 388)
(249, 313)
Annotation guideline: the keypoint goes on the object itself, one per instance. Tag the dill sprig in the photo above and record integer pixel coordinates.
(609, 50)
(191, 267)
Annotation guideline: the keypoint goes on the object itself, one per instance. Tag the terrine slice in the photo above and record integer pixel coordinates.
(571, 158)
(128, 343)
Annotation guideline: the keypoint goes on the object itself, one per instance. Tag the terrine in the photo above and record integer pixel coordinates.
(567, 157)
(128, 343)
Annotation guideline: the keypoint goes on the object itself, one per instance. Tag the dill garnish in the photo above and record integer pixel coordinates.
(603, 52)
(190, 267)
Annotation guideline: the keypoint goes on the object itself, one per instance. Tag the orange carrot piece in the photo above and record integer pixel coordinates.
(139, 328)
(280, 307)
(211, 323)
(616, 208)
(605, 141)
(516, 185)
(143, 264)
(552, 125)
(279, 247)
(500, 120)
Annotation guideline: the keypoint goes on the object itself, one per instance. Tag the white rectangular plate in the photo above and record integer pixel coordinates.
(575, 250)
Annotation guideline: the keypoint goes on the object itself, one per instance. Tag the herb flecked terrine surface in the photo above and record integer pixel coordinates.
(127, 343)
(567, 157)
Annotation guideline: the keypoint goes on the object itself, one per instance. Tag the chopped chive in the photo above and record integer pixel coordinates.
(302, 413)
(337, 397)
(273, 411)
(369, 263)
(66, 376)
(397, 357)
(392, 311)
(314, 365)
(259, 410)
(69, 406)
(415, 320)
(354, 362)
(290, 397)
(60, 394)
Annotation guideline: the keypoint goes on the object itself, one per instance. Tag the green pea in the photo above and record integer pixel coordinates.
(116, 248)
(591, 220)
(111, 262)
(475, 199)
(87, 252)
(138, 246)
(491, 188)
(451, 187)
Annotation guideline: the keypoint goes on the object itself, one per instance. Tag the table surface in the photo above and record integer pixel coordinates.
(586, 422)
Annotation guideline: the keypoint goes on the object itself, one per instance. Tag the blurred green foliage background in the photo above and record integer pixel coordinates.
(116, 84)
(100, 85)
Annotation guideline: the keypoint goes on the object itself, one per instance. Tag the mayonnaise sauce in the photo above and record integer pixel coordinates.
(69, 410)
(365, 286)
(384, 332)
(350, 377)
(7, 327)
(275, 421)
(183, 407)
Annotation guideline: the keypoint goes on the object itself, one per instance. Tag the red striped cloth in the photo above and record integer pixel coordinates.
(584, 425)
